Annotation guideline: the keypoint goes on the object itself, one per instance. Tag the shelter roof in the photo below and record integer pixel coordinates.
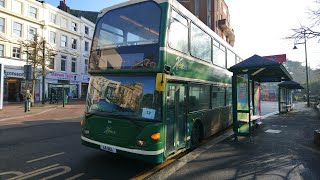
(262, 69)
(290, 85)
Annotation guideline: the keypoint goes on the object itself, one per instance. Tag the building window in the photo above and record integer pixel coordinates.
(1, 50)
(17, 29)
(2, 3)
(32, 32)
(74, 44)
(64, 22)
(73, 65)
(51, 63)
(74, 26)
(196, 8)
(86, 30)
(63, 41)
(16, 52)
(17, 7)
(52, 37)
(209, 13)
(86, 46)
(53, 18)
(33, 12)
(2, 25)
(63, 63)
(86, 66)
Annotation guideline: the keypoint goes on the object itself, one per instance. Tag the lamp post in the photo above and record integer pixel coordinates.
(306, 56)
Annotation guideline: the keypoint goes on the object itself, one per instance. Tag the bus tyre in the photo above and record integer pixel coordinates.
(196, 135)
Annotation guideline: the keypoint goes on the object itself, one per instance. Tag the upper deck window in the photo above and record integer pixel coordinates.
(127, 37)
(178, 33)
(200, 43)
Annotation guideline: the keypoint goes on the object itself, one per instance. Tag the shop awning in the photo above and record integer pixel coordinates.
(262, 70)
(290, 85)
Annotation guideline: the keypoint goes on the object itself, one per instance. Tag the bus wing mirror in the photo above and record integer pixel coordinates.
(167, 69)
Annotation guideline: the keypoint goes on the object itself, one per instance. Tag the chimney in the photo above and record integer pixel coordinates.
(64, 7)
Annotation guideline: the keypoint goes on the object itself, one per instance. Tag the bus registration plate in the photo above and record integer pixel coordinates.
(108, 148)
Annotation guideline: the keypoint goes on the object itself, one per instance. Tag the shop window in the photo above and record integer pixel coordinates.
(199, 97)
(178, 33)
(16, 52)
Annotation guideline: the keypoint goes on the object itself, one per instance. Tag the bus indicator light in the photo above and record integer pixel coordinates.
(155, 136)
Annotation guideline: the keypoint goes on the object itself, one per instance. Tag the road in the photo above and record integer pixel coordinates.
(33, 148)
(54, 150)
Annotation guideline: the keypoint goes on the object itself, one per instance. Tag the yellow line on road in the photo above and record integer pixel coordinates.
(45, 157)
(75, 176)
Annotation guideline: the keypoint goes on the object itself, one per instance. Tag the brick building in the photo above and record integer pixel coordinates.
(215, 14)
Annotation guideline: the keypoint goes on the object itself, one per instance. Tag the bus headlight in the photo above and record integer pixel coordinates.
(141, 143)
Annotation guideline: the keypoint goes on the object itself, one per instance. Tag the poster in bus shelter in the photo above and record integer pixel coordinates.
(242, 96)
(257, 102)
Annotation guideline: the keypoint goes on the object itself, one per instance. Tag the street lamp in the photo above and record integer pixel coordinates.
(305, 51)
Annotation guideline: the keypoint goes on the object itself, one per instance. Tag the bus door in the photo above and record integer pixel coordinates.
(176, 117)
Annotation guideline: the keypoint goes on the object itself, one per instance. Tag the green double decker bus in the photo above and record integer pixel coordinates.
(158, 81)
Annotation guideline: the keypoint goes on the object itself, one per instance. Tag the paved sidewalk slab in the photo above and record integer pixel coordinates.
(290, 154)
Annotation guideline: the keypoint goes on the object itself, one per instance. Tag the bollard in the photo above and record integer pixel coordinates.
(63, 97)
(25, 105)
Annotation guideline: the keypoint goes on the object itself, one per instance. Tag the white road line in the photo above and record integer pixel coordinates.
(34, 172)
(75, 176)
(45, 157)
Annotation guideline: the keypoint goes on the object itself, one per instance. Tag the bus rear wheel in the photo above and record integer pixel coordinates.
(196, 135)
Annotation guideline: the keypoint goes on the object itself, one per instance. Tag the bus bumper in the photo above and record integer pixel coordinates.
(148, 156)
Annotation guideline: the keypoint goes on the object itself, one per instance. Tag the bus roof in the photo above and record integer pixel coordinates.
(180, 8)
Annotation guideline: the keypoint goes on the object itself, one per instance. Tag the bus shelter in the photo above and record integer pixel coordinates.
(285, 95)
(246, 79)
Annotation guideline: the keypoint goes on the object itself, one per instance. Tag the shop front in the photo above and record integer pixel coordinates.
(13, 78)
(57, 82)
(84, 86)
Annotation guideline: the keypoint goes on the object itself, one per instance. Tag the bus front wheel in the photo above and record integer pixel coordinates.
(196, 135)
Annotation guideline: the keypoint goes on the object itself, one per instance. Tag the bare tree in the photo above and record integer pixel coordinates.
(38, 56)
(312, 30)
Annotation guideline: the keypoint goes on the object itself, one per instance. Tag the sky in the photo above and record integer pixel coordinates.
(260, 26)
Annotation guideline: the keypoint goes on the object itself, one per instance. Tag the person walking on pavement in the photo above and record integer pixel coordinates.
(28, 97)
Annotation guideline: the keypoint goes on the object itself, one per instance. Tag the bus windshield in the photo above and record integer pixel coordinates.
(127, 38)
(132, 97)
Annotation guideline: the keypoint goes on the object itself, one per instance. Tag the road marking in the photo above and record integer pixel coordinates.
(75, 176)
(34, 172)
(45, 157)
(17, 173)
(273, 131)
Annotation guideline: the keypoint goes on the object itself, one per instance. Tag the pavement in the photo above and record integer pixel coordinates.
(282, 148)
(13, 114)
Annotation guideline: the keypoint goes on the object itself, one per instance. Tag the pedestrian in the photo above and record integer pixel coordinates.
(28, 98)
